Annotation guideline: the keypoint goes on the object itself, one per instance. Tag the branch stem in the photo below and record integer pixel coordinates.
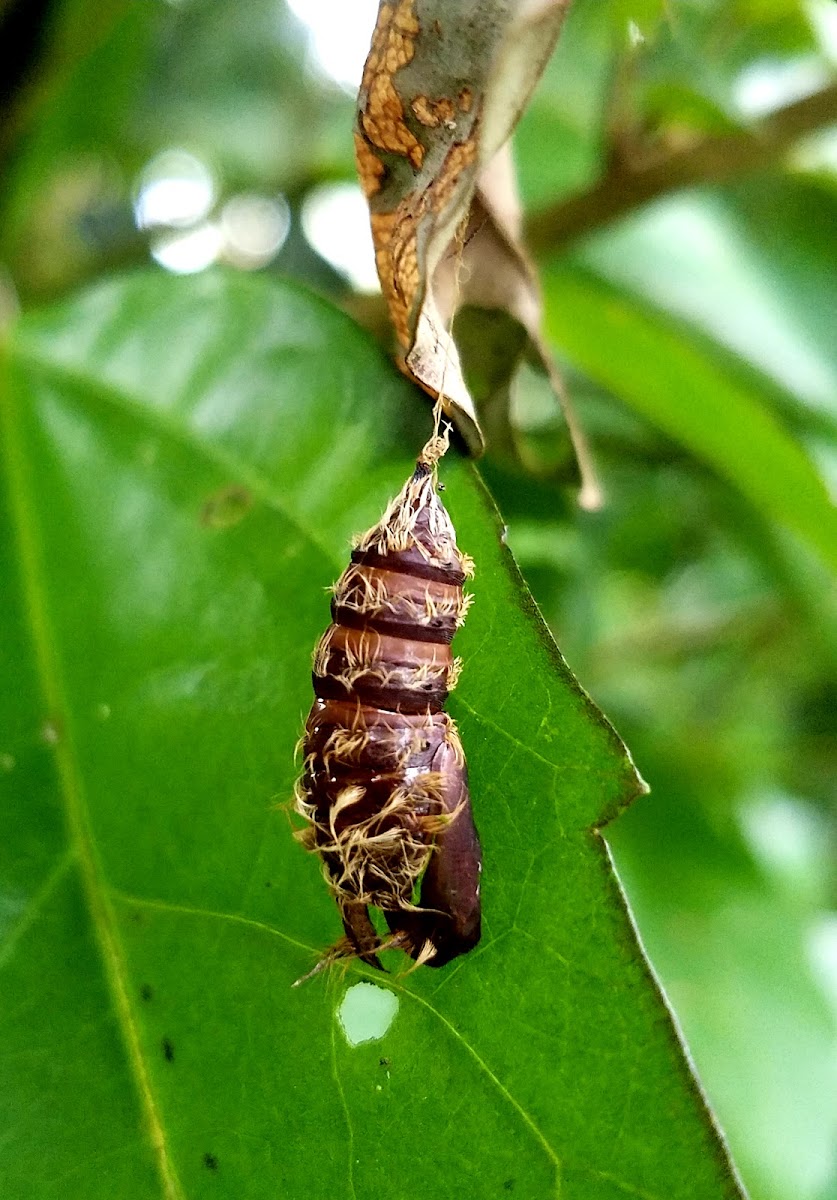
(627, 185)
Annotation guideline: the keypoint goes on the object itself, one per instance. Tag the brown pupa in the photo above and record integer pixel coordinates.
(384, 788)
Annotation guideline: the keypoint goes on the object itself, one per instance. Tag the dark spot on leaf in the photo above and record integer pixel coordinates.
(168, 1050)
(210, 1162)
(146, 991)
(384, 1062)
(268, 884)
(137, 917)
(226, 507)
(508, 1186)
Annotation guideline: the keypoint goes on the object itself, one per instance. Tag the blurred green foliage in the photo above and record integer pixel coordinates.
(697, 331)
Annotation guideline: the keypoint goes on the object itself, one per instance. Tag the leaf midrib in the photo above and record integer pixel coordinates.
(76, 812)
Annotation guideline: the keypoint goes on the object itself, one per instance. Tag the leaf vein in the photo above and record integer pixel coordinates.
(350, 1148)
(505, 733)
(525, 1117)
(188, 910)
(163, 424)
(34, 909)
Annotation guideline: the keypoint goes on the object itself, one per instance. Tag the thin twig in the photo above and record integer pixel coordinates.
(628, 185)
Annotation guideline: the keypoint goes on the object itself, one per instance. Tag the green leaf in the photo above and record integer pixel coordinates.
(751, 268)
(697, 392)
(568, 110)
(185, 461)
(738, 956)
(71, 135)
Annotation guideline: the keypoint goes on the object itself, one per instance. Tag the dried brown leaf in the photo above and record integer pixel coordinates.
(443, 87)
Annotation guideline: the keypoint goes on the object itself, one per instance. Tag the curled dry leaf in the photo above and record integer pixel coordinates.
(443, 87)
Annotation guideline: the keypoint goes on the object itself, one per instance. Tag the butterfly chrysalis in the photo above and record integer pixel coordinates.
(384, 787)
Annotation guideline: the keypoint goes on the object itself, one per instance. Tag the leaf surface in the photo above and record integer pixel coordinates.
(185, 461)
(699, 394)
